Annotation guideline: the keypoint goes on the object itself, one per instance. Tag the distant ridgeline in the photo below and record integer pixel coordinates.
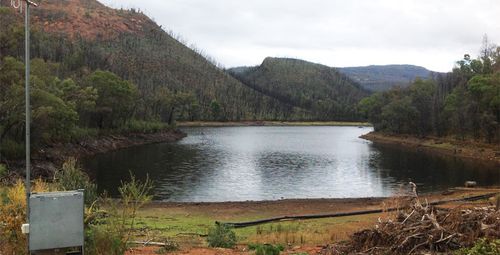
(382, 78)
(464, 104)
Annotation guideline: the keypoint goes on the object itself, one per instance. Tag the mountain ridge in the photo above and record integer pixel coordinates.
(372, 77)
(384, 77)
(320, 89)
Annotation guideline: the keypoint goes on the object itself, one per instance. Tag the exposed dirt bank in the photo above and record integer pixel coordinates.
(488, 153)
(269, 123)
(48, 158)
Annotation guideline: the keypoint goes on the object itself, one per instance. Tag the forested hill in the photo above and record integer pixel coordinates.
(82, 36)
(322, 90)
(384, 77)
(463, 104)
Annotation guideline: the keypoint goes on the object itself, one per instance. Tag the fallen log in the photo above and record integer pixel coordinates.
(343, 214)
(147, 243)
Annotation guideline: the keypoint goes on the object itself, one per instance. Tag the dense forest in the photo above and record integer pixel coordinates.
(322, 90)
(464, 103)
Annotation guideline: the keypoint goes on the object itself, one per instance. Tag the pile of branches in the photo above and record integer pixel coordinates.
(421, 228)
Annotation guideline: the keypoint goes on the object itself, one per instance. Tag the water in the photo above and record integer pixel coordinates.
(268, 163)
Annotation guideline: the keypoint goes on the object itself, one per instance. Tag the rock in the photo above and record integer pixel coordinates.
(470, 184)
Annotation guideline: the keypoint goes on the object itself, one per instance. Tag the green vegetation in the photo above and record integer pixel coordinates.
(221, 236)
(169, 246)
(188, 226)
(3, 171)
(266, 249)
(110, 233)
(71, 177)
(482, 247)
(71, 100)
(64, 110)
(464, 103)
(322, 91)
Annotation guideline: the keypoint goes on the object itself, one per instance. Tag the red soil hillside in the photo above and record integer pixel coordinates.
(88, 19)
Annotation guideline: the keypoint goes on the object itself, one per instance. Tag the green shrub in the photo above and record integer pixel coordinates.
(3, 171)
(266, 249)
(71, 177)
(482, 247)
(110, 233)
(170, 246)
(11, 149)
(100, 240)
(221, 236)
(137, 126)
(78, 133)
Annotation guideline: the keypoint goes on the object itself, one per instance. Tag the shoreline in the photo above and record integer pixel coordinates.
(271, 124)
(292, 207)
(486, 153)
(46, 160)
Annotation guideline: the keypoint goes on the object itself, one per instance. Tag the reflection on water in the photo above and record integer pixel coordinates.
(265, 163)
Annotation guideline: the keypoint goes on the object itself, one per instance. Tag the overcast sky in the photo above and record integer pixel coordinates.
(429, 33)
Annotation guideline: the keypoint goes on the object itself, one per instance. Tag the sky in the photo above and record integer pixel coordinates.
(338, 33)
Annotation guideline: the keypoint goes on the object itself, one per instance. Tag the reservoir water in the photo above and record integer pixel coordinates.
(269, 163)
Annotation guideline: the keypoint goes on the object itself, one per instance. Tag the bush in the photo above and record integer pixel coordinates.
(137, 126)
(170, 246)
(12, 216)
(221, 236)
(78, 133)
(71, 177)
(482, 247)
(11, 149)
(101, 240)
(110, 235)
(3, 171)
(266, 249)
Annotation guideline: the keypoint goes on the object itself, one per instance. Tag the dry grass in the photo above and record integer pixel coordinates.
(12, 216)
(310, 232)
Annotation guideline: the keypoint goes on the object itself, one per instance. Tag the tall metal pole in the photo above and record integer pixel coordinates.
(28, 108)
(27, 60)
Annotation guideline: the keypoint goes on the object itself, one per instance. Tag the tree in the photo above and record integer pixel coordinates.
(399, 116)
(371, 108)
(116, 99)
(422, 94)
(215, 108)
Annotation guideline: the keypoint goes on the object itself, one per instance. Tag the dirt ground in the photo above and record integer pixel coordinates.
(469, 150)
(240, 211)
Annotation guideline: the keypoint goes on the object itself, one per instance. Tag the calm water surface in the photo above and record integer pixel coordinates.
(267, 163)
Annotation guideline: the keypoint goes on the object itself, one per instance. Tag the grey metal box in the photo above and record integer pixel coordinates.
(56, 220)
